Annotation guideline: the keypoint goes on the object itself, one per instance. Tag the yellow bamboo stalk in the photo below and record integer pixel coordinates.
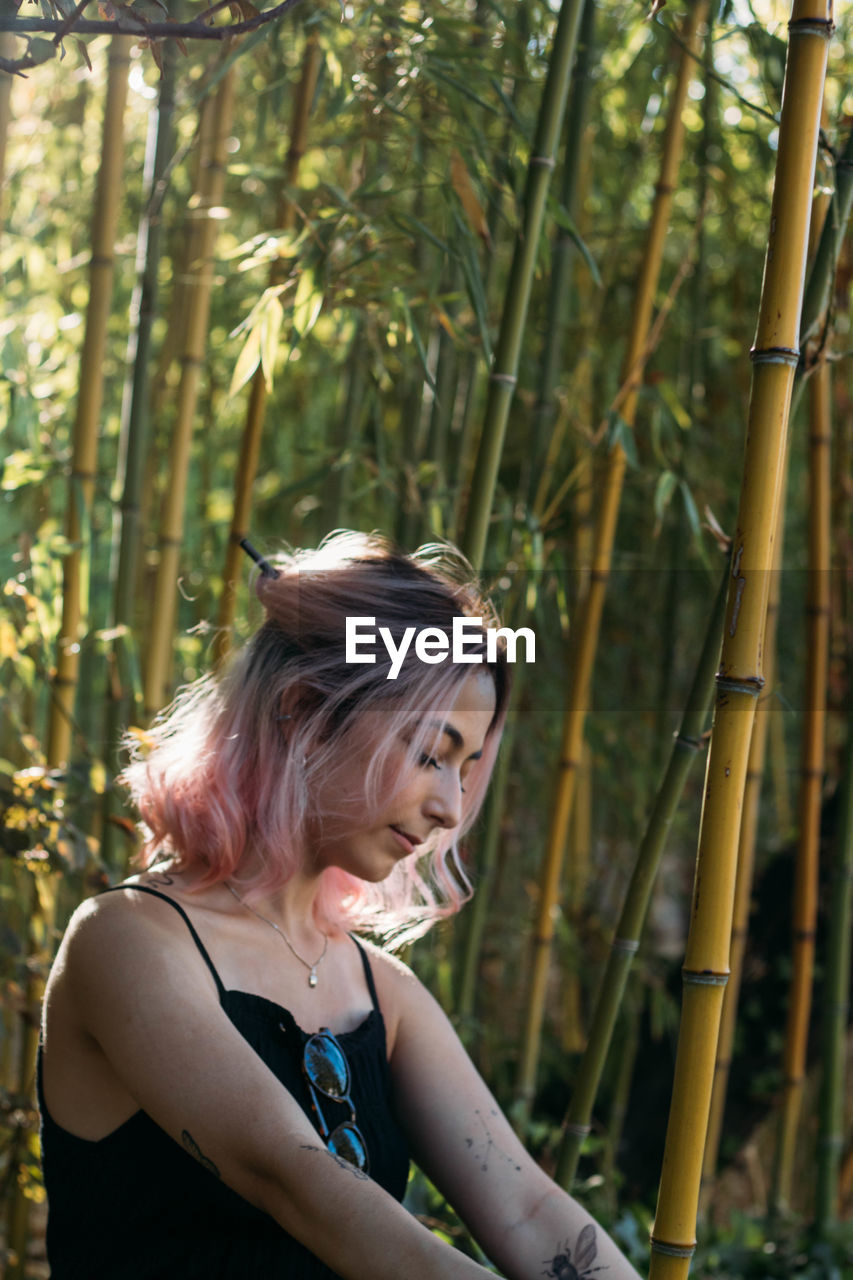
(811, 783)
(775, 357)
(212, 187)
(582, 650)
(81, 481)
(745, 868)
(250, 448)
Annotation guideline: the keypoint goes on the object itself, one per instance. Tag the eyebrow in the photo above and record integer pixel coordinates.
(455, 737)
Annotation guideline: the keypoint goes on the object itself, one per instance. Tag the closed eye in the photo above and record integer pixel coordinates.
(429, 760)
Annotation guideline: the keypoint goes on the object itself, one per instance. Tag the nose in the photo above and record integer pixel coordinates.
(443, 802)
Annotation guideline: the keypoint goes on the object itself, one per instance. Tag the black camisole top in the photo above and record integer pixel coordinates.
(135, 1205)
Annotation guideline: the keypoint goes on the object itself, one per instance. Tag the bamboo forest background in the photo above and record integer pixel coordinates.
(259, 288)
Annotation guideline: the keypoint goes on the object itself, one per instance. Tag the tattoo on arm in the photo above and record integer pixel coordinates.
(485, 1146)
(339, 1160)
(575, 1263)
(195, 1150)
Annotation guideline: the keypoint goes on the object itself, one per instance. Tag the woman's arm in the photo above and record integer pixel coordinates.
(525, 1223)
(142, 992)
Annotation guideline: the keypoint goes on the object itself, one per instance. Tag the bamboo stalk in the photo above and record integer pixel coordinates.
(775, 357)
(41, 920)
(134, 433)
(836, 1003)
(192, 359)
(747, 842)
(504, 373)
(626, 940)
(564, 253)
(81, 481)
(583, 645)
(250, 448)
(477, 914)
(823, 269)
(7, 50)
(811, 785)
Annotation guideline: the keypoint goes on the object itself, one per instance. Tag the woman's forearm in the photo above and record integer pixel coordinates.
(355, 1226)
(556, 1237)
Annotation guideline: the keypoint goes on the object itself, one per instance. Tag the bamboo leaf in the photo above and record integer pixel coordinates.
(307, 303)
(667, 393)
(247, 361)
(413, 330)
(464, 188)
(270, 332)
(664, 490)
(407, 223)
(619, 433)
(564, 219)
(475, 288)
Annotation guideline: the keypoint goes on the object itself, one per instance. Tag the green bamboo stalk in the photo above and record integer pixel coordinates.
(836, 1003)
(350, 425)
(250, 446)
(632, 1017)
(687, 742)
(564, 253)
(504, 373)
(134, 431)
(823, 268)
(161, 636)
(477, 914)
(81, 481)
(7, 50)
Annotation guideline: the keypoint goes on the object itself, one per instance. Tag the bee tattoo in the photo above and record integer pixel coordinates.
(564, 1266)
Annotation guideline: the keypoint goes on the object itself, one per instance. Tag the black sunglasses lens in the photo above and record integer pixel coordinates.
(347, 1142)
(327, 1067)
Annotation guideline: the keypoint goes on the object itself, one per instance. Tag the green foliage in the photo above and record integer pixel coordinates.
(419, 134)
(749, 1248)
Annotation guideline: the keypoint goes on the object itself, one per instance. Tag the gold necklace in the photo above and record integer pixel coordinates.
(312, 968)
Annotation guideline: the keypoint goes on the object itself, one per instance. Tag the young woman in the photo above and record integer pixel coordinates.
(231, 1082)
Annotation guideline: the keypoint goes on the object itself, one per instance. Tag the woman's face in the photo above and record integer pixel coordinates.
(430, 796)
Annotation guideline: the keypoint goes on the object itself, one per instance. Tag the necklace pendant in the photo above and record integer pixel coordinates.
(312, 977)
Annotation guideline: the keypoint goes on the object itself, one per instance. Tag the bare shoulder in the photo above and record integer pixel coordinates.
(115, 939)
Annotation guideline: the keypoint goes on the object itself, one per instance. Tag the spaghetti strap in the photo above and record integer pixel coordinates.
(368, 972)
(144, 888)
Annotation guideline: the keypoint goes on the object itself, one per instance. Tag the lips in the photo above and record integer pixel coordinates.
(410, 840)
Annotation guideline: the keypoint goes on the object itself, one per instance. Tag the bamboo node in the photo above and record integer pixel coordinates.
(812, 27)
(686, 743)
(508, 379)
(742, 684)
(775, 355)
(580, 1130)
(704, 979)
(626, 945)
(673, 1250)
(547, 162)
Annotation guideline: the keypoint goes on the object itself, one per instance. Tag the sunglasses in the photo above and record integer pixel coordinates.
(327, 1071)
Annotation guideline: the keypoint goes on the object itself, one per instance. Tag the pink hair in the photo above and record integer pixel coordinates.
(234, 762)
